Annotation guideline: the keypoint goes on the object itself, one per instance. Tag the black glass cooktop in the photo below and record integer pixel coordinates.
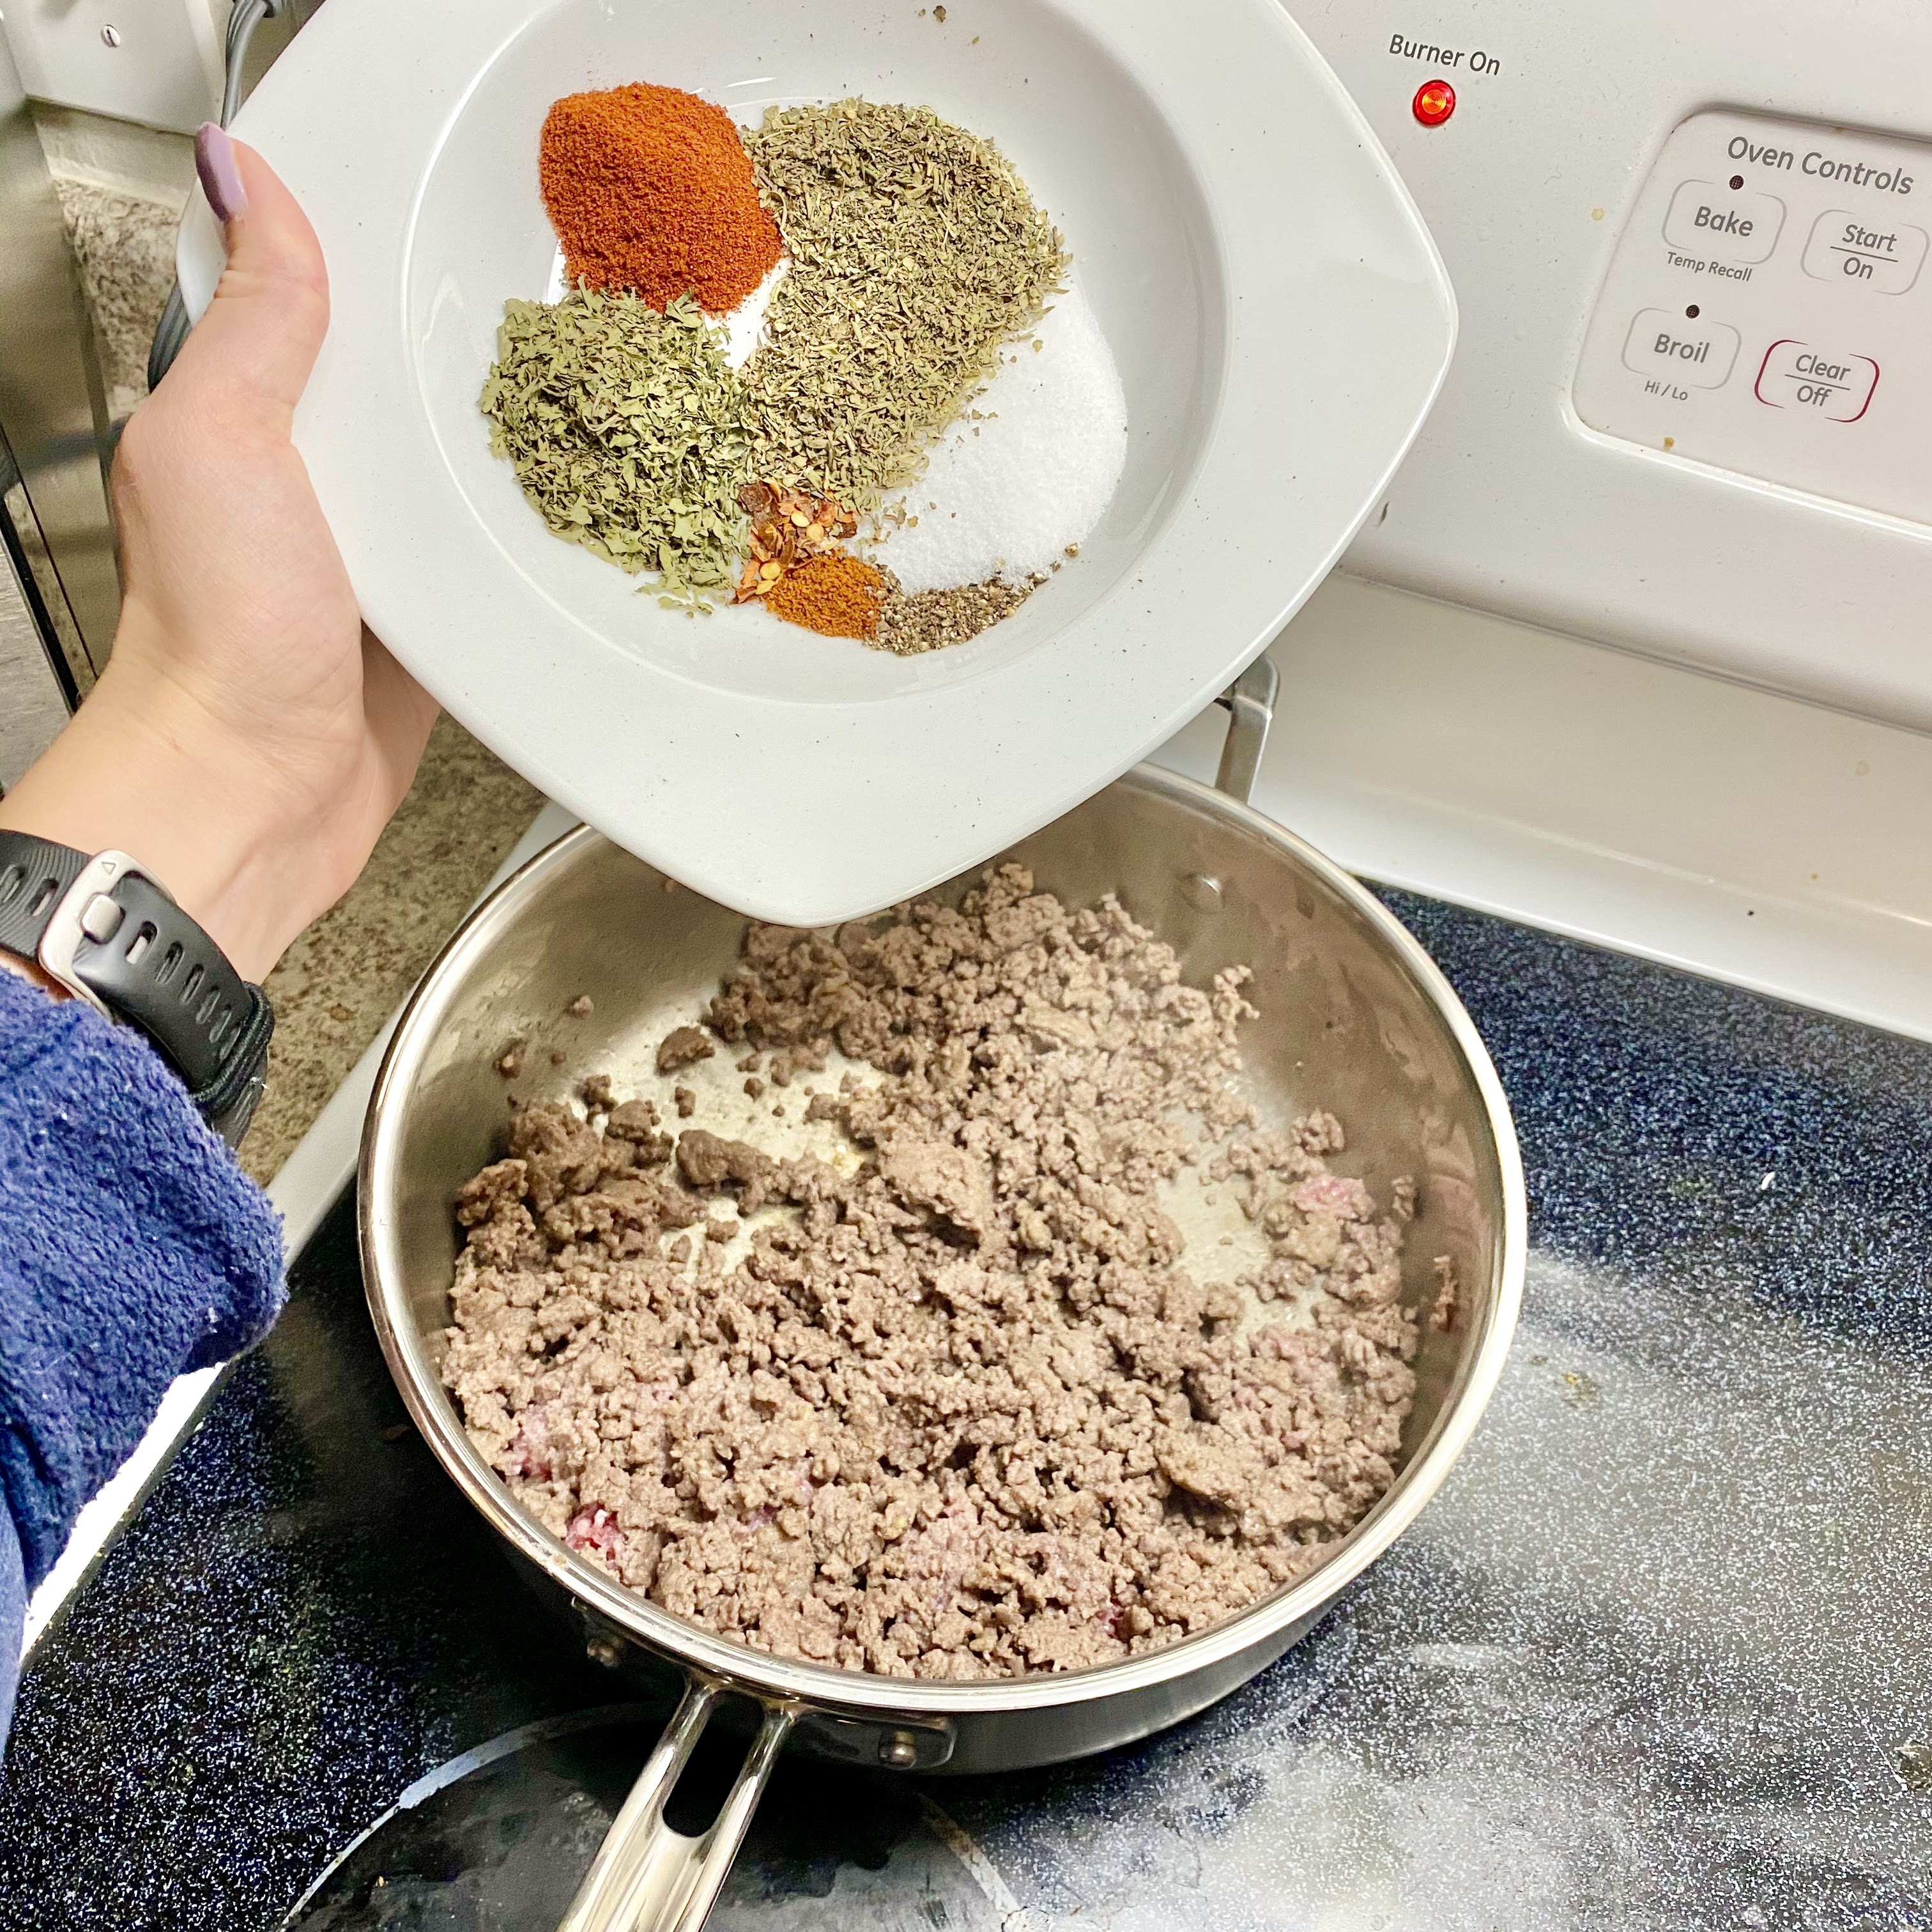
(1659, 1655)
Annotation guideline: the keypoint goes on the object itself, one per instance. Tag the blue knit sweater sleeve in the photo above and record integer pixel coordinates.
(134, 1248)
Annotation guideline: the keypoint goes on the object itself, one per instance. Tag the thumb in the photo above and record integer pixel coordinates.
(271, 308)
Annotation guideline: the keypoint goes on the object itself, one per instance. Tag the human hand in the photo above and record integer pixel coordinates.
(249, 739)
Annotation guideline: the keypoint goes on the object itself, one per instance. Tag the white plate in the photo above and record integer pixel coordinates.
(1281, 319)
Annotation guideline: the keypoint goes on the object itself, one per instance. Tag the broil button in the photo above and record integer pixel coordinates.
(1732, 224)
(1663, 342)
(1826, 382)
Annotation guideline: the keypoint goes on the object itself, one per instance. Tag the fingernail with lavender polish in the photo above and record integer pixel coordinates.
(220, 178)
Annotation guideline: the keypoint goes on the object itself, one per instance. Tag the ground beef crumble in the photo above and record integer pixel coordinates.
(681, 1047)
(962, 1412)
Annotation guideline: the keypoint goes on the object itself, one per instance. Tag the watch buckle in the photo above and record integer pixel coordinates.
(67, 928)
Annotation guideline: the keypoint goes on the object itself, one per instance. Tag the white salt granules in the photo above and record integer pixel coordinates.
(1027, 469)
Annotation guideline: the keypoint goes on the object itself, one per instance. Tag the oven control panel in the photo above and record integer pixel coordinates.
(1767, 310)
(1691, 408)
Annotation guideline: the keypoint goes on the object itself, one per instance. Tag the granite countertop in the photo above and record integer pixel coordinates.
(121, 189)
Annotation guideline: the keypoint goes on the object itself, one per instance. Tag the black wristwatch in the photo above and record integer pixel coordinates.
(111, 936)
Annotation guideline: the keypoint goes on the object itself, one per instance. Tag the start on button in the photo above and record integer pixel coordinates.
(1664, 342)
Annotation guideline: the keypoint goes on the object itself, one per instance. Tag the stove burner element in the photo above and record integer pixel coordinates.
(498, 1839)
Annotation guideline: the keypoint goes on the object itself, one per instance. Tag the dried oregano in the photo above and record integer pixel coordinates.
(916, 252)
(628, 430)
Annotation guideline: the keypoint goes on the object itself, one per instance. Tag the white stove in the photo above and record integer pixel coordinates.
(1639, 646)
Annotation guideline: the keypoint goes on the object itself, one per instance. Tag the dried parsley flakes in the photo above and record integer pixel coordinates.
(628, 430)
(916, 251)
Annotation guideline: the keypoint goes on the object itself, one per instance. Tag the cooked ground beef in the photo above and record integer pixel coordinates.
(961, 1408)
(682, 1046)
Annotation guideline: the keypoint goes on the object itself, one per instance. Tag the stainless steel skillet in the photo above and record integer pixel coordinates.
(1354, 1017)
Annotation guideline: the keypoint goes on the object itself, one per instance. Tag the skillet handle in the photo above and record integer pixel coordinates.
(648, 1878)
(1250, 703)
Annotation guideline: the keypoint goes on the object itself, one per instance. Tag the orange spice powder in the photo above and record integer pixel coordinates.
(651, 192)
(837, 595)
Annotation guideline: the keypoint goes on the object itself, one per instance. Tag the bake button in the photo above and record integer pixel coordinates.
(1738, 225)
(1664, 342)
(1822, 382)
(1848, 247)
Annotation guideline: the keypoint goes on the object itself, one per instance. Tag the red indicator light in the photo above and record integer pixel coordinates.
(1434, 101)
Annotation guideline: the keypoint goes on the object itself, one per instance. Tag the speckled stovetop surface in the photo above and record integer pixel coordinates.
(1647, 1662)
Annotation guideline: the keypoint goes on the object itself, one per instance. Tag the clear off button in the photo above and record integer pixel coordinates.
(1666, 345)
(1818, 381)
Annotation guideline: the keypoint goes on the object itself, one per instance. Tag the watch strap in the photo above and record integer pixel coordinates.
(148, 962)
(35, 876)
(228, 1102)
(110, 934)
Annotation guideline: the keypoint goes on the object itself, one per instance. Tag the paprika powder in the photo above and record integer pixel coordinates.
(652, 193)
